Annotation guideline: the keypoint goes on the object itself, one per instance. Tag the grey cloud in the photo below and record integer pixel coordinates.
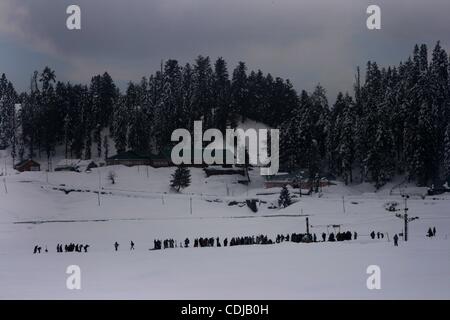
(306, 41)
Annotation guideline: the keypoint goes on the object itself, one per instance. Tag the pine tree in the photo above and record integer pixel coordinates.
(346, 144)
(186, 110)
(120, 124)
(106, 146)
(138, 133)
(285, 198)
(239, 91)
(48, 113)
(8, 98)
(222, 96)
(181, 178)
(446, 153)
(440, 102)
(203, 101)
(334, 134)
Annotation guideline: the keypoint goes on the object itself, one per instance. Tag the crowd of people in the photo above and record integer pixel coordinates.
(72, 247)
(37, 249)
(166, 244)
(379, 235)
(431, 232)
(236, 241)
(211, 242)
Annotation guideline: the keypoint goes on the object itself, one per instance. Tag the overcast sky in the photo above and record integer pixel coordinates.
(307, 41)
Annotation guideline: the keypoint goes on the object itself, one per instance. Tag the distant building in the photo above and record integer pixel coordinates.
(85, 165)
(28, 165)
(157, 160)
(128, 158)
(161, 159)
(295, 180)
(67, 165)
(75, 165)
(218, 171)
(226, 154)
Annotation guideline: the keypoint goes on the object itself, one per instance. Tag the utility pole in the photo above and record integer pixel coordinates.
(6, 189)
(405, 217)
(406, 197)
(343, 203)
(307, 225)
(406, 226)
(99, 186)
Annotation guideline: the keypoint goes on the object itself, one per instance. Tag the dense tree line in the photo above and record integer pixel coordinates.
(395, 121)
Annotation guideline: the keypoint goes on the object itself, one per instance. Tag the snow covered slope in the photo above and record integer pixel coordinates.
(141, 207)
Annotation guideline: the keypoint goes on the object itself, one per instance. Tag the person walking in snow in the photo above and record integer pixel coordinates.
(186, 243)
(324, 237)
(331, 237)
(131, 245)
(225, 242)
(372, 235)
(355, 236)
(396, 240)
(434, 231)
(430, 233)
(116, 246)
(86, 248)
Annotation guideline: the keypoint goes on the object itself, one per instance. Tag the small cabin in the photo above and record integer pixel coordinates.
(28, 165)
(75, 165)
(128, 158)
(161, 159)
(67, 165)
(295, 180)
(85, 165)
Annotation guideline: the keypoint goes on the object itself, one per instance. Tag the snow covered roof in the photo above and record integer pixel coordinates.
(127, 155)
(76, 164)
(20, 164)
(68, 163)
(85, 162)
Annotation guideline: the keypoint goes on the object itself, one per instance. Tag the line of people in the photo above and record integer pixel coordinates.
(37, 249)
(235, 241)
(72, 247)
(380, 235)
(431, 232)
(166, 244)
(211, 242)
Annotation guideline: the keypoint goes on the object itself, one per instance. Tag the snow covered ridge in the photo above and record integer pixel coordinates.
(255, 141)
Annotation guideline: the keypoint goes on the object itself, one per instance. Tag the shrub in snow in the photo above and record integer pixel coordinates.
(112, 177)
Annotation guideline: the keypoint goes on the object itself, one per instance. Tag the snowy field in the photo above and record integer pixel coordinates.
(141, 207)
